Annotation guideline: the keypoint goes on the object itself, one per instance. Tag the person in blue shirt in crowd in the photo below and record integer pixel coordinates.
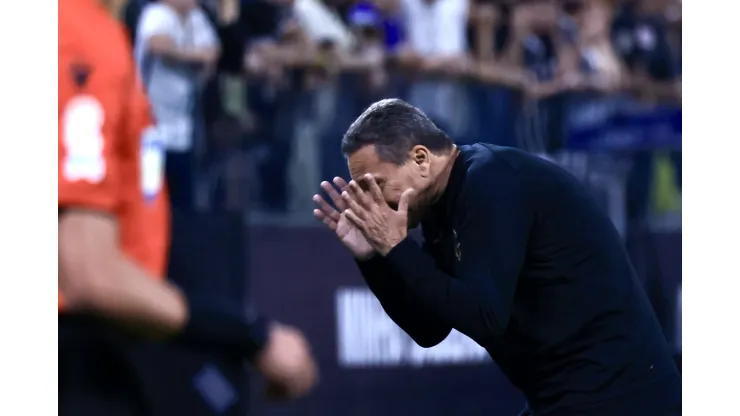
(367, 13)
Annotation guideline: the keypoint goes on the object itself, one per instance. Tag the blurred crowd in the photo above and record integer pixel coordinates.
(253, 96)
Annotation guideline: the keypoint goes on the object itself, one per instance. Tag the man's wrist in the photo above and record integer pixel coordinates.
(387, 247)
(221, 327)
(365, 256)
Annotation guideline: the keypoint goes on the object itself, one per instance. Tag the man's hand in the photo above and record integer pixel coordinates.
(286, 363)
(382, 226)
(347, 233)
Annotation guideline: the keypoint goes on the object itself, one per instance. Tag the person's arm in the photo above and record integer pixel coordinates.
(155, 30)
(207, 45)
(370, 58)
(227, 11)
(564, 37)
(296, 48)
(97, 278)
(519, 29)
(484, 17)
(659, 91)
(451, 57)
(94, 275)
(267, 49)
(541, 90)
(496, 72)
(392, 294)
(490, 68)
(493, 237)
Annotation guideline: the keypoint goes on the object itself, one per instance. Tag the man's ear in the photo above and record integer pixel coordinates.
(422, 158)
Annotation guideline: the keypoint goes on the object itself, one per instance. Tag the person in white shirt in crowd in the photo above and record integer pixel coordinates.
(175, 47)
(322, 23)
(436, 47)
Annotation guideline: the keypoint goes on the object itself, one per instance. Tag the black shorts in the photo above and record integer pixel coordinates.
(102, 371)
(97, 374)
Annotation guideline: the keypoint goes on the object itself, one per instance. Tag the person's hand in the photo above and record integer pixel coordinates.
(459, 67)
(521, 22)
(286, 363)
(575, 81)
(408, 58)
(382, 226)
(378, 79)
(347, 233)
(486, 14)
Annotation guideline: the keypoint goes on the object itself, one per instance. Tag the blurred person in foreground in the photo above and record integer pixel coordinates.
(516, 255)
(113, 227)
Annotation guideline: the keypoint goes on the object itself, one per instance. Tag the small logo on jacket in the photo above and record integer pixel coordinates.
(456, 244)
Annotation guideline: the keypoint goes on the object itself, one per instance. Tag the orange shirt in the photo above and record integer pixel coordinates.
(110, 156)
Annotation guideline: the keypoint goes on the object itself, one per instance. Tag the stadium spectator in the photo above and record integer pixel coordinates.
(501, 82)
(640, 32)
(369, 53)
(600, 67)
(176, 46)
(131, 13)
(281, 60)
(641, 37)
(597, 77)
(227, 181)
(323, 24)
(489, 30)
(541, 40)
(436, 49)
(382, 15)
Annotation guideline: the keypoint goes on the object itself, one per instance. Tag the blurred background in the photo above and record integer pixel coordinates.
(594, 85)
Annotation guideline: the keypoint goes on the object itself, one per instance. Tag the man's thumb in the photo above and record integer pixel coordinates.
(403, 204)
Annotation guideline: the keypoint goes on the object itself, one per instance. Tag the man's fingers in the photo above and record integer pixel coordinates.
(340, 183)
(403, 204)
(375, 191)
(325, 208)
(359, 195)
(334, 195)
(325, 219)
(354, 219)
(359, 211)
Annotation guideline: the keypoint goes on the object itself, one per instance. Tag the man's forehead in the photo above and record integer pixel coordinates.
(364, 161)
(359, 174)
